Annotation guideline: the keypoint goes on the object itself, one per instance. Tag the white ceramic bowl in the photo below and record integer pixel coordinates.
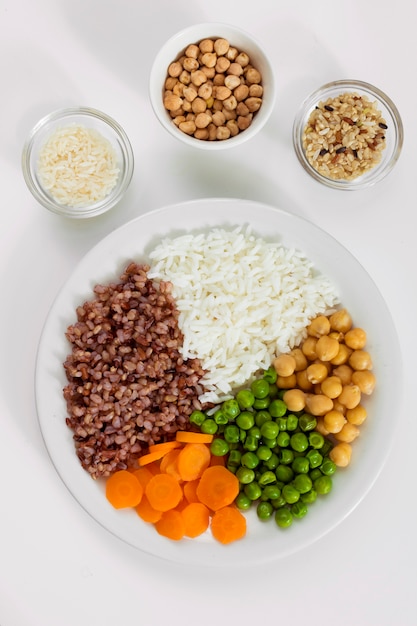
(237, 38)
(90, 119)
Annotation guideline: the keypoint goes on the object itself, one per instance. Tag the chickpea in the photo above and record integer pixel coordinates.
(209, 59)
(300, 359)
(222, 65)
(341, 321)
(202, 120)
(236, 69)
(232, 53)
(341, 454)
(350, 396)
(309, 348)
(302, 381)
(190, 64)
(348, 433)
(222, 133)
(253, 76)
(243, 59)
(360, 360)
(198, 78)
(357, 415)
(221, 46)
(316, 372)
(172, 102)
(174, 69)
(244, 121)
(201, 133)
(230, 103)
(198, 105)
(327, 348)
(356, 338)
(321, 428)
(339, 407)
(342, 356)
(344, 372)
(232, 82)
(190, 94)
(319, 326)
(233, 127)
(256, 90)
(295, 399)
(188, 127)
(205, 91)
(219, 118)
(334, 421)
(206, 45)
(286, 382)
(241, 92)
(318, 404)
(192, 51)
(331, 387)
(365, 380)
(335, 334)
(284, 364)
(242, 109)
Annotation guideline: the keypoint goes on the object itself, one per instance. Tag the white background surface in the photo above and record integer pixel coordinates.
(57, 565)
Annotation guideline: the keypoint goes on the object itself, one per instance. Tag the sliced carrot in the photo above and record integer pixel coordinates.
(193, 459)
(188, 436)
(196, 518)
(218, 460)
(143, 474)
(217, 487)
(123, 489)
(169, 464)
(228, 524)
(151, 457)
(163, 492)
(147, 512)
(164, 447)
(171, 525)
(190, 491)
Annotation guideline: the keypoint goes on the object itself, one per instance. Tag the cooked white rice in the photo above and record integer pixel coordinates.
(242, 300)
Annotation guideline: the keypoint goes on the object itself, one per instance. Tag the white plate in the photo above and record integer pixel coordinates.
(105, 262)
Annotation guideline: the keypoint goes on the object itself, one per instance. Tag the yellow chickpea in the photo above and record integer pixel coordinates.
(360, 360)
(302, 381)
(286, 382)
(300, 359)
(318, 404)
(334, 421)
(316, 373)
(350, 396)
(295, 399)
(341, 454)
(332, 387)
(357, 415)
(319, 326)
(309, 348)
(348, 433)
(285, 365)
(327, 348)
(344, 372)
(341, 321)
(321, 428)
(337, 406)
(342, 356)
(365, 380)
(355, 338)
(336, 334)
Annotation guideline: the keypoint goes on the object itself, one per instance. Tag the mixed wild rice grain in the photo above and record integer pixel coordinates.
(345, 136)
(128, 385)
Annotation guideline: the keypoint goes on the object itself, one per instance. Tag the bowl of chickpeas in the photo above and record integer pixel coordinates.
(212, 86)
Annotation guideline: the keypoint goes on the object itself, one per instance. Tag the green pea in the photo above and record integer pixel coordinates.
(273, 461)
(255, 432)
(279, 502)
(253, 491)
(328, 467)
(282, 423)
(315, 473)
(307, 422)
(283, 517)
(314, 458)
(323, 485)
(273, 391)
(299, 509)
(220, 418)
(245, 420)
(269, 430)
(267, 478)
(283, 439)
(261, 404)
(292, 422)
(290, 493)
(264, 453)
(250, 443)
(261, 417)
(271, 443)
(231, 433)
(243, 502)
(242, 435)
(234, 457)
(299, 442)
(271, 492)
(264, 510)
(197, 418)
(327, 446)
(245, 399)
(303, 483)
(260, 388)
(209, 426)
(230, 409)
(219, 447)
(309, 497)
(250, 460)
(316, 440)
(286, 457)
(231, 468)
(300, 465)
(270, 375)
(277, 408)
(284, 473)
(245, 475)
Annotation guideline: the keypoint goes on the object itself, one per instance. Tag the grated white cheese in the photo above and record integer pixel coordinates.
(77, 166)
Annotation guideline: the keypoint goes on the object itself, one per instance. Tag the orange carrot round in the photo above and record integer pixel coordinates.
(144, 475)
(123, 490)
(149, 458)
(228, 524)
(190, 491)
(169, 463)
(163, 492)
(193, 459)
(218, 487)
(196, 518)
(146, 512)
(171, 525)
(164, 447)
(188, 436)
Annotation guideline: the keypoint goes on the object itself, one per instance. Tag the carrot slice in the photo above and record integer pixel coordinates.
(196, 518)
(123, 490)
(188, 436)
(171, 525)
(190, 491)
(169, 464)
(144, 475)
(163, 492)
(164, 447)
(193, 459)
(217, 487)
(147, 512)
(151, 457)
(228, 524)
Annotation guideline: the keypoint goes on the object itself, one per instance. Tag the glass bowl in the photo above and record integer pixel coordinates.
(238, 39)
(346, 147)
(104, 158)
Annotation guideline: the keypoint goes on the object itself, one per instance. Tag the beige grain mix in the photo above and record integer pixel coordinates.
(345, 136)
(212, 91)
